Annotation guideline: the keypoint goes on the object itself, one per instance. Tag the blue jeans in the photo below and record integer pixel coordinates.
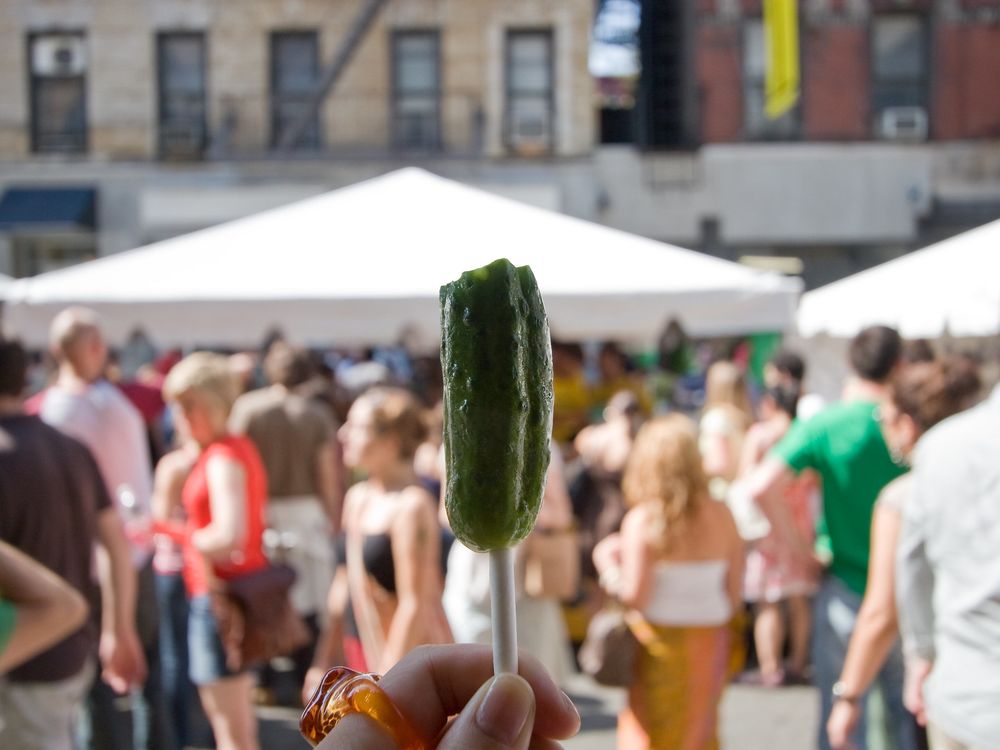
(191, 726)
(206, 654)
(173, 650)
(835, 612)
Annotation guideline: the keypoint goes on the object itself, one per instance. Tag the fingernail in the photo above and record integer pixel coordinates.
(569, 705)
(505, 709)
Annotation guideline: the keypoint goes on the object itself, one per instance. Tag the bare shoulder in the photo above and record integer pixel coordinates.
(354, 499)
(716, 512)
(636, 522)
(416, 504)
(173, 464)
(223, 463)
(720, 518)
(416, 516)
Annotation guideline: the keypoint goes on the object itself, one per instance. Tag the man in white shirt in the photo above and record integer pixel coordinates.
(83, 405)
(948, 581)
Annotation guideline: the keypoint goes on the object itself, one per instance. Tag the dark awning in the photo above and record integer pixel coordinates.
(38, 208)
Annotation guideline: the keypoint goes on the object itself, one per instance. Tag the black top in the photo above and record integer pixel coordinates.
(376, 550)
(51, 493)
(376, 553)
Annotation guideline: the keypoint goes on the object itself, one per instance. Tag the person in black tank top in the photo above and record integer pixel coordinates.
(393, 600)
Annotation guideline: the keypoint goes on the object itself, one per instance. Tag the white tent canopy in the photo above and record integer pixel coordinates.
(952, 287)
(5, 284)
(363, 265)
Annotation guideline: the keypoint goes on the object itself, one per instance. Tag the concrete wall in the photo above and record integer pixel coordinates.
(792, 195)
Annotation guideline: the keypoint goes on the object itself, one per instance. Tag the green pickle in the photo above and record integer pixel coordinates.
(496, 357)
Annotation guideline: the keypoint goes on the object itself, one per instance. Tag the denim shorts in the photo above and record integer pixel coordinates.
(206, 656)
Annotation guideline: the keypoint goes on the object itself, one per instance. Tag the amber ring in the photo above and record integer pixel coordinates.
(344, 691)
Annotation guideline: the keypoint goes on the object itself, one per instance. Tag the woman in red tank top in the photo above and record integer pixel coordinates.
(224, 498)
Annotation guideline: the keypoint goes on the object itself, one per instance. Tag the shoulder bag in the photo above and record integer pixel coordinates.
(255, 616)
(609, 652)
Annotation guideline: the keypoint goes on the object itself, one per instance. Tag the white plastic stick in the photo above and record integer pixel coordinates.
(502, 611)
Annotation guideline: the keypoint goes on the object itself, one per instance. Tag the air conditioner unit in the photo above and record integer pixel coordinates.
(530, 131)
(58, 55)
(903, 123)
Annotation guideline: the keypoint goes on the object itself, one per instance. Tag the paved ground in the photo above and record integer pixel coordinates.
(752, 719)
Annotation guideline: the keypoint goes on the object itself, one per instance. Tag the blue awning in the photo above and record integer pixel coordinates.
(38, 208)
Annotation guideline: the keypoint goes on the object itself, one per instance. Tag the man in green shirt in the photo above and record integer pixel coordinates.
(844, 445)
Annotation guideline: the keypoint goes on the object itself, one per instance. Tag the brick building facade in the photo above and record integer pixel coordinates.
(859, 59)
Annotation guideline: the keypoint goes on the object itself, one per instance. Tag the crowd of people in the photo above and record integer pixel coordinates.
(762, 521)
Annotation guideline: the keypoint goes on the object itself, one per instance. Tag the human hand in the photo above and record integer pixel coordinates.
(607, 554)
(433, 683)
(122, 659)
(840, 726)
(917, 672)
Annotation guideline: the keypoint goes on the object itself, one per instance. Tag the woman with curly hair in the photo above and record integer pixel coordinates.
(678, 563)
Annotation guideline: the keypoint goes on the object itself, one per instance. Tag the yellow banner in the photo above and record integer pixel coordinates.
(781, 44)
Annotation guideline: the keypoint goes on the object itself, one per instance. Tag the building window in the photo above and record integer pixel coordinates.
(181, 79)
(416, 90)
(756, 125)
(58, 93)
(529, 114)
(294, 80)
(899, 71)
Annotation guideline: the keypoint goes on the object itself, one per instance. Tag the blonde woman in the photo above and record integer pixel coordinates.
(724, 423)
(679, 563)
(393, 539)
(224, 497)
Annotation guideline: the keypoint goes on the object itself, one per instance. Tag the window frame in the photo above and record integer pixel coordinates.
(510, 34)
(161, 37)
(396, 93)
(273, 98)
(34, 135)
(796, 116)
(925, 82)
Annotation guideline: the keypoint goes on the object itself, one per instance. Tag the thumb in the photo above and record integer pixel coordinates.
(500, 715)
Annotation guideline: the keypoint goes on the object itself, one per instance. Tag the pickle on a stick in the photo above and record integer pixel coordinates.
(496, 357)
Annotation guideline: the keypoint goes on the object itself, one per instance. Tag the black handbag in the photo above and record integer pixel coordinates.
(610, 650)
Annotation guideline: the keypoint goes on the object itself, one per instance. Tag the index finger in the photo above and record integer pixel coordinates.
(433, 683)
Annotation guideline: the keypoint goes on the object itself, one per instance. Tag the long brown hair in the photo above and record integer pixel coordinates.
(665, 471)
(396, 411)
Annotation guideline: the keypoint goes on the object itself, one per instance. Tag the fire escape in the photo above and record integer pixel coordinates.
(341, 59)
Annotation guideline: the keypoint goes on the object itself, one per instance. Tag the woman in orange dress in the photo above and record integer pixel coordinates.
(678, 565)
